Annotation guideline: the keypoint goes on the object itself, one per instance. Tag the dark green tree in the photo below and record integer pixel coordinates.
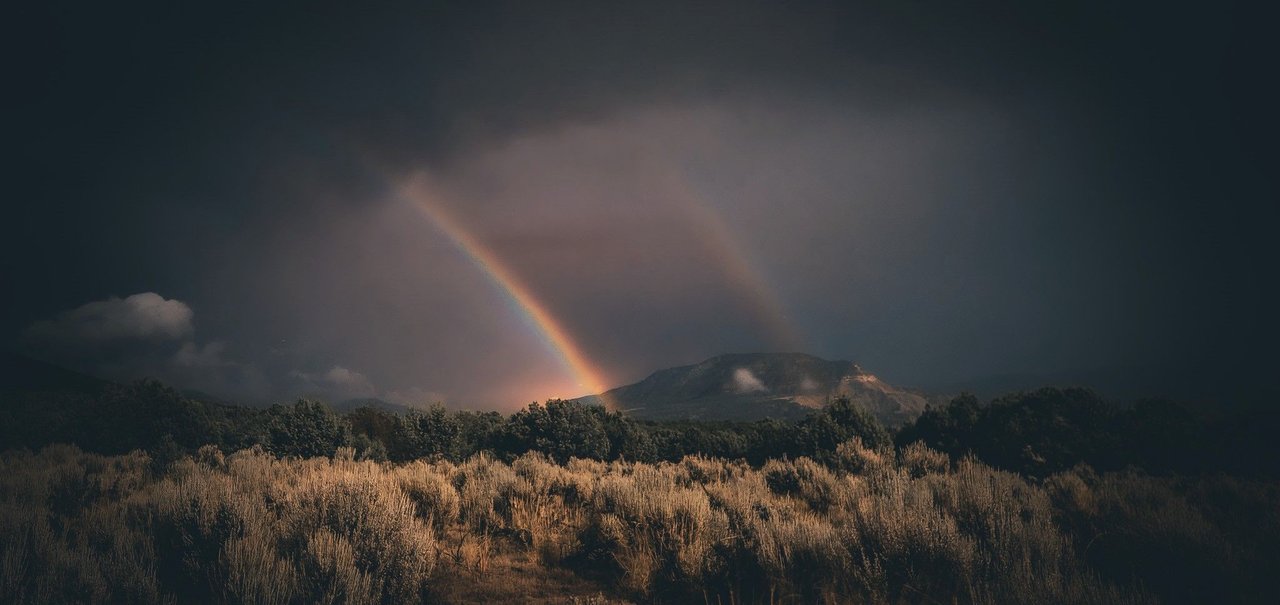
(949, 428)
(374, 423)
(559, 429)
(434, 432)
(819, 434)
(306, 429)
(627, 440)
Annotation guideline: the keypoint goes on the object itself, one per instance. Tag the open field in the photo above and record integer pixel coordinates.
(874, 526)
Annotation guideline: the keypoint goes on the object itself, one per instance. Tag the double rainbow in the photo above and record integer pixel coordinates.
(589, 378)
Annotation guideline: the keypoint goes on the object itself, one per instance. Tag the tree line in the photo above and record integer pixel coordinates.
(1035, 433)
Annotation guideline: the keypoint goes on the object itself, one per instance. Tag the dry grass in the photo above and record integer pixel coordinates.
(877, 526)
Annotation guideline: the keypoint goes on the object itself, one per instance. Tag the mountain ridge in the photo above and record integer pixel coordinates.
(752, 386)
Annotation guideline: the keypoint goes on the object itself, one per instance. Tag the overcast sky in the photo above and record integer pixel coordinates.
(211, 193)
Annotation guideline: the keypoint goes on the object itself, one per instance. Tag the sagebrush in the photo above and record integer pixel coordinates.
(868, 526)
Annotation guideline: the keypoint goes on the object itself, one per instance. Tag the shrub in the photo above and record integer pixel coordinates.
(874, 526)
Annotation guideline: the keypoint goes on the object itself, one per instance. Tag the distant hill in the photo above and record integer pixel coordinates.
(42, 403)
(751, 386)
(21, 373)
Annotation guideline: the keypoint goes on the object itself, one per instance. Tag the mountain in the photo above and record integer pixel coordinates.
(751, 386)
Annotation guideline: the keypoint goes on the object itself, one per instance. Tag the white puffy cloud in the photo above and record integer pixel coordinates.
(143, 317)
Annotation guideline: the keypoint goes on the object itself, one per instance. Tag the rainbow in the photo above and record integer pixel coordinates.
(766, 306)
(782, 335)
(552, 332)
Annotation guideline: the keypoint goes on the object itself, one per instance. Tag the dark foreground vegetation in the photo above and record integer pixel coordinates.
(1051, 496)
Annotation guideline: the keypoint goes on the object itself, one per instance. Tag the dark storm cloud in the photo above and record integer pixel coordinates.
(940, 192)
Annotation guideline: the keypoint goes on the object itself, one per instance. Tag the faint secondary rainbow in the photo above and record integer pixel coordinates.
(734, 261)
(554, 335)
